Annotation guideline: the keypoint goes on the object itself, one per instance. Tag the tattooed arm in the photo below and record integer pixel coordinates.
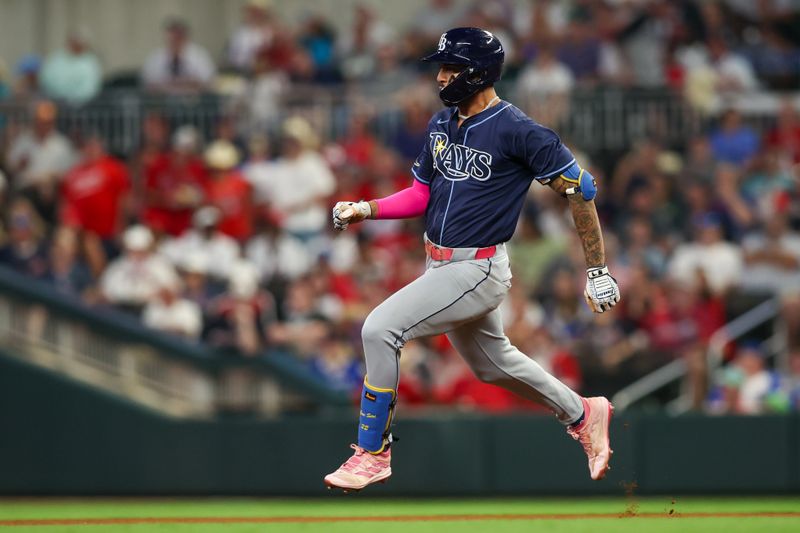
(587, 223)
(602, 292)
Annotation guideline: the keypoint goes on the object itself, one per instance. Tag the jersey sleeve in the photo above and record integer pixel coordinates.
(542, 151)
(422, 168)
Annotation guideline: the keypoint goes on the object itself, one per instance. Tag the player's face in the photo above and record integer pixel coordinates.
(447, 73)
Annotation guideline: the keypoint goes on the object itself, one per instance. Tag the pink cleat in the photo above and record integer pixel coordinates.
(362, 469)
(593, 434)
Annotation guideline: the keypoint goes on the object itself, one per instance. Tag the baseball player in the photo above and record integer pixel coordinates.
(470, 182)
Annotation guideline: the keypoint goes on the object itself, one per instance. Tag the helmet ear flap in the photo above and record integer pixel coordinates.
(475, 76)
(468, 82)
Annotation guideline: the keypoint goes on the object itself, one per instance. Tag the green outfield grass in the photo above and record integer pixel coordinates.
(662, 514)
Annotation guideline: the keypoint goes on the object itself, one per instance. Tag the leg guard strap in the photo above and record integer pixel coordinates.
(375, 420)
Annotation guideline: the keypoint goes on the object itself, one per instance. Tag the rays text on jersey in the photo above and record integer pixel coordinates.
(457, 162)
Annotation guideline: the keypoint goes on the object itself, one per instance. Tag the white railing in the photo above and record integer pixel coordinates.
(602, 119)
(677, 369)
(135, 371)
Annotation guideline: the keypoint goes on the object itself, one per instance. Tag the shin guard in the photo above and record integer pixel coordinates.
(377, 408)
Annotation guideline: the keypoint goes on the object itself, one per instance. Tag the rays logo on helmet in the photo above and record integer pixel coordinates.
(443, 42)
(457, 162)
(478, 51)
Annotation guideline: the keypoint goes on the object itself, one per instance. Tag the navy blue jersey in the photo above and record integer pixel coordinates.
(479, 173)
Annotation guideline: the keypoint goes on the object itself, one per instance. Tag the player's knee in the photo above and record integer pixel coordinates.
(488, 375)
(375, 330)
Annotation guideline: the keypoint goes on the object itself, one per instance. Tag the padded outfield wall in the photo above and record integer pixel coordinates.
(60, 438)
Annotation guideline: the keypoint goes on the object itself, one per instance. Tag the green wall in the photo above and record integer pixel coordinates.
(58, 437)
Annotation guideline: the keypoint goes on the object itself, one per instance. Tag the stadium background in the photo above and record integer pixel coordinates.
(167, 326)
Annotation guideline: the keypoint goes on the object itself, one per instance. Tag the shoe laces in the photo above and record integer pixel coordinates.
(356, 460)
(583, 435)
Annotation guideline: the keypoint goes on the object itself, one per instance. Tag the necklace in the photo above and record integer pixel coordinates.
(493, 100)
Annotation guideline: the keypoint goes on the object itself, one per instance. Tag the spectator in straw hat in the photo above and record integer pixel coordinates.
(171, 313)
(196, 286)
(301, 182)
(278, 255)
(229, 191)
(206, 239)
(135, 278)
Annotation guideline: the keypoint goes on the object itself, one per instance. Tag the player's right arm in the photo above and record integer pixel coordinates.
(411, 202)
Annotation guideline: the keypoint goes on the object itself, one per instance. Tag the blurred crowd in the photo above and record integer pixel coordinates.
(706, 49)
(223, 237)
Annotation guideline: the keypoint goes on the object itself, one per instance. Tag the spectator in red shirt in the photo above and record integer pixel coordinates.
(229, 191)
(155, 145)
(175, 184)
(94, 191)
(680, 322)
(359, 143)
(786, 134)
(462, 387)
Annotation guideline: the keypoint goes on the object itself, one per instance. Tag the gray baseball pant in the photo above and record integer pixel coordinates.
(460, 298)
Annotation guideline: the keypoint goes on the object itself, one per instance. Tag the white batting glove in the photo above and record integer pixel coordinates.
(346, 213)
(602, 292)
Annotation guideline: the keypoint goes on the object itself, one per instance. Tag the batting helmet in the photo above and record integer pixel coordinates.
(482, 54)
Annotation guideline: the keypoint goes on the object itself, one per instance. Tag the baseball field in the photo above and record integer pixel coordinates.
(357, 513)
